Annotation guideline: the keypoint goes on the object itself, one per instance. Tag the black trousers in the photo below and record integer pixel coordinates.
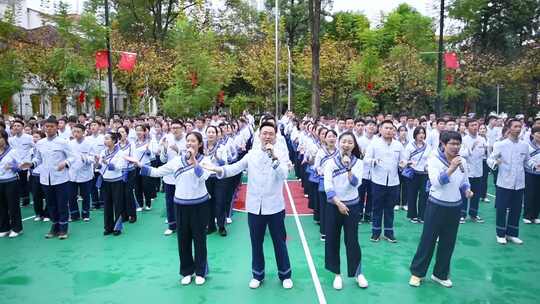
(313, 199)
(144, 188)
(257, 229)
(532, 196)
(10, 210)
(57, 198)
(439, 222)
(211, 188)
(114, 205)
(323, 203)
(128, 196)
(38, 197)
(473, 203)
(335, 221)
(416, 196)
(191, 234)
(221, 200)
(24, 187)
(97, 200)
(402, 191)
(484, 182)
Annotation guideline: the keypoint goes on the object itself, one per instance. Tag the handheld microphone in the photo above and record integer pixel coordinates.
(461, 168)
(188, 154)
(268, 151)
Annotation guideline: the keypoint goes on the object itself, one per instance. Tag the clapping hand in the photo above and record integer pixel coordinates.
(469, 194)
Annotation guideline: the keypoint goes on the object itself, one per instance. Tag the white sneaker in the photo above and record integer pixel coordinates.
(527, 221)
(14, 234)
(446, 283)
(86, 219)
(405, 208)
(415, 281)
(501, 240)
(37, 219)
(46, 219)
(462, 220)
(146, 208)
(4, 234)
(305, 195)
(511, 239)
(287, 283)
(338, 282)
(228, 220)
(537, 221)
(199, 280)
(168, 232)
(186, 280)
(486, 200)
(362, 282)
(254, 284)
(139, 209)
(396, 207)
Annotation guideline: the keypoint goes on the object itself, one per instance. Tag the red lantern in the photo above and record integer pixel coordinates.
(82, 96)
(98, 102)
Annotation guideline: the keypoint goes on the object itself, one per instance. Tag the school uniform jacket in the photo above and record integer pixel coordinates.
(50, 152)
(337, 183)
(446, 190)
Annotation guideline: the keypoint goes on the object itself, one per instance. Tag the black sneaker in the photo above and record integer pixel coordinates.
(222, 231)
(391, 239)
(117, 232)
(375, 238)
(107, 232)
(211, 230)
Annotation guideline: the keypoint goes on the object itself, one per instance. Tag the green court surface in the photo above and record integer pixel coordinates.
(141, 265)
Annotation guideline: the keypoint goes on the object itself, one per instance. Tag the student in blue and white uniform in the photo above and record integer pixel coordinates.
(342, 177)
(10, 210)
(22, 143)
(324, 156)
(96, 140)
(142, 150)
(111, 162)
(129, 176)
(38, 197)
(510, 156)
(532, 180)
(449, 182)
(416, 153)
(267, 170)
(474, 148)
(81, 174)
(385, 155)
(366, 198)
(191, 204)
(54, 155)
(173, 145)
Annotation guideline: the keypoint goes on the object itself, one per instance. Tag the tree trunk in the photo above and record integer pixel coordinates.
(315, 18)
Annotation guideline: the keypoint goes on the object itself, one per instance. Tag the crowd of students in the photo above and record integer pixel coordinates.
(351, 170)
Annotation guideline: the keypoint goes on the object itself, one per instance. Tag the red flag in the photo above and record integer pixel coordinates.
(98, 103)
(82, 96)
(102, 60)
(127, 61)
(451, 60)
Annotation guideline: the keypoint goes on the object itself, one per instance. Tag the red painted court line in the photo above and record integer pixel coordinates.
(297, 193)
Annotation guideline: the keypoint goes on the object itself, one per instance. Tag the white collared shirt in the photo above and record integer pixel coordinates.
(337, 182)
(419, 155)
(81, 170)
(23, 145)
(49, 154)
(444, 188)
(8, 159)
(384, 159)
(514, 157)
(474, 156)
(265, 180)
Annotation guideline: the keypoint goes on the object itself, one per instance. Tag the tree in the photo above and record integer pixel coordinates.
(11, 71)
(202, 70)
(315, 22)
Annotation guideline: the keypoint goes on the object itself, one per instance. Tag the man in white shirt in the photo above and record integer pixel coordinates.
(81, 174)
(474, 147)
(22, 144)
(64, 131)
(433, 136)
(510, 156)
(97, 143)
(267, 169)
(385, 156)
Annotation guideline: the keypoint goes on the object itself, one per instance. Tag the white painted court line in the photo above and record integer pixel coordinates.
(311, 265)
(30, 217)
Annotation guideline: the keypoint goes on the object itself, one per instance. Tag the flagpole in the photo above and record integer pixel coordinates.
(109, 59)
(438, 102)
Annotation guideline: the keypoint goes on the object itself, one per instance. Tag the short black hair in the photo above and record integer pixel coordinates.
(52, 119)
(469, 121)
(268, 124)
(18, 121)
(5, 136)
(447, 136)
(80, 126)
(387, 121)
